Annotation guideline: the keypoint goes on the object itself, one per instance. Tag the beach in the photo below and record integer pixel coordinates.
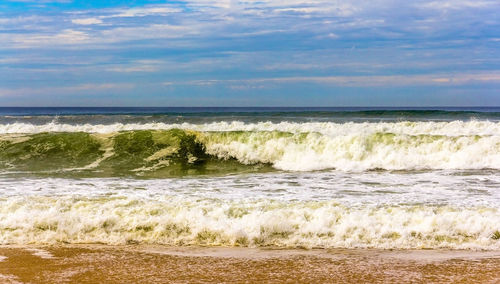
(159, 264)
(304, 141)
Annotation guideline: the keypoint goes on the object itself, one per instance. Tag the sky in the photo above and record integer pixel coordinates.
(250, 53)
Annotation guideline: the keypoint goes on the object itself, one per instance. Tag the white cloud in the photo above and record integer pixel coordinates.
(356, 81)
(10, 60)
(331, 9)
(130, 69)
(138, 66)
(209, 26)
(71, 37)
(64, 90)
(155, 31)
(215, 18)
(65, 37)
(87, 21)
(332, 35)
(459, 4)
(144, 11)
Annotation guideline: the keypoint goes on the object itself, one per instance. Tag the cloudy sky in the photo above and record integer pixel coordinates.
(250, 53)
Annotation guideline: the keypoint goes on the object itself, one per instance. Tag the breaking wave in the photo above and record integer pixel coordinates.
(234, 147)
(171, 221)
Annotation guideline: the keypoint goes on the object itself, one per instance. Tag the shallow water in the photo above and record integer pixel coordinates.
(132, 264)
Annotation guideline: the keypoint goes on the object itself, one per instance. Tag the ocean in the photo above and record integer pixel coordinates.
(388, 178)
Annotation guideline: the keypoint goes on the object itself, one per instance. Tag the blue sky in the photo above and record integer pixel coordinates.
(250, 53)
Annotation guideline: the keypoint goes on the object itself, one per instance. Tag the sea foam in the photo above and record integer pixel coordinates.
(451, 128)
(174, 221)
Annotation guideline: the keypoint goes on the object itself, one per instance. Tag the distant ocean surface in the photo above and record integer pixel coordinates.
(393, 178)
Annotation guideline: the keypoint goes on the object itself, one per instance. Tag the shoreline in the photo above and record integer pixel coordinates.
(154, 263)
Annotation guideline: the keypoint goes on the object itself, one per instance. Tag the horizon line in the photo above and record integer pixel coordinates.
(479, 106)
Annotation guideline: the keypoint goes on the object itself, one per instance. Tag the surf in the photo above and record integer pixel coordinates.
(184, 151)
(180, 222)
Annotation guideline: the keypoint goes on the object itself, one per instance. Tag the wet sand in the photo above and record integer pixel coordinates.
(156, 264)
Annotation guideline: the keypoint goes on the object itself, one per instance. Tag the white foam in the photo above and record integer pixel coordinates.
(321, 209)
(357, 152)
(452, 128)
(440, 188)
(40, 253)
(178, 221)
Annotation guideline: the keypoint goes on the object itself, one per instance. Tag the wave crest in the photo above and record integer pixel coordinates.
(166, 152)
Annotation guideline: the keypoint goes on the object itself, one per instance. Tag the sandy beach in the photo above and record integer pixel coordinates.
(155, 264)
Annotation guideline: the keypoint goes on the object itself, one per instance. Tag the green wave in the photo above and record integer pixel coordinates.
(176, 152)
(146, 153)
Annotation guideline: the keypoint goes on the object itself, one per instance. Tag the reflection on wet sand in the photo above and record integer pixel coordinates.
(134, 264)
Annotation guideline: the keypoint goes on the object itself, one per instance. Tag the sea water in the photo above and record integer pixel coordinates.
(275, 177)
